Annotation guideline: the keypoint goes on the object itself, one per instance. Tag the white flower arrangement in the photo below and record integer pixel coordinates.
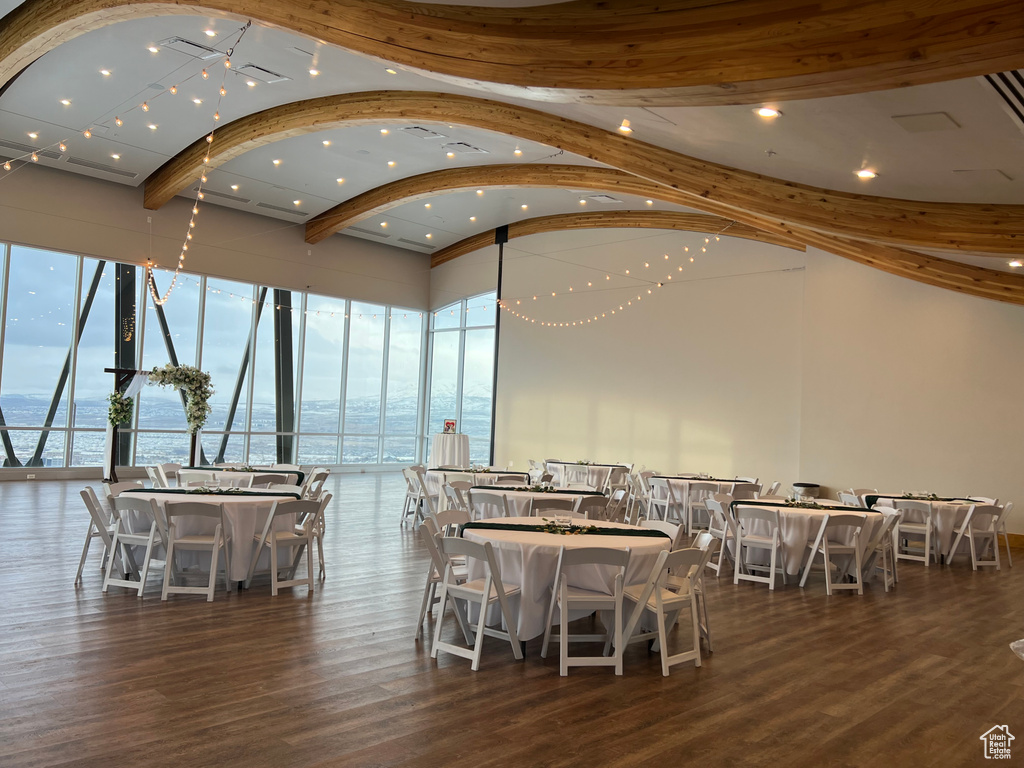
(196, 385)
(120, 410)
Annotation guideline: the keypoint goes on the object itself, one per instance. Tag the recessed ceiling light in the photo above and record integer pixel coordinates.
(391, 163)
(33, 135)
(1016, 263)
(384, 224)
(152, 126)
(582, 201)
(472, 218)
(649, 202)
(518, 152)
(426, 205)
(234, 187)
(251, 83)
(384, 131)
(296, 202)
(450, 154)
(390, 71)
(116, 156)
(153, 49)
(211, 33)
(340, 181)
(105, 72)
(429, 235)
(625, 127)
(480, 192)
(66, 102)
(313, 71)
(524, 206)
(767, 112)
(197, 101)
(327, 142)
(866, 173)
(277, 162)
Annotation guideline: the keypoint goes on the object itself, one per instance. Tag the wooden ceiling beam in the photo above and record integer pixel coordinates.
(706, 186)
(622, 52)
(675, 220)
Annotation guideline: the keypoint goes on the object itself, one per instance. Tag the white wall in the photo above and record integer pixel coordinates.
(69, 212)
(837, 373)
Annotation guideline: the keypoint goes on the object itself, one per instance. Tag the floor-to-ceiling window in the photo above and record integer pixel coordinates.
(462, 371)
(297, 377)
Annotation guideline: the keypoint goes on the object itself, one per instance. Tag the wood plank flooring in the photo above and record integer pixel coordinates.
(336, 679)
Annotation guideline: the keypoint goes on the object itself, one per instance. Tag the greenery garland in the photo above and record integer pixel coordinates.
(196, 386)
(121, 407)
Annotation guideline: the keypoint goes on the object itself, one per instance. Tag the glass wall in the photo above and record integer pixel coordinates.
(462, 372)
(297, 377)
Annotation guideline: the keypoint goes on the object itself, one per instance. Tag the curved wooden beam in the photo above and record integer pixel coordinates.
(710, 187)
(686, 222)
(674, 52)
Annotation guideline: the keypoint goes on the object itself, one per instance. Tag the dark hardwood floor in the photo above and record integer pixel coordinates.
(913, 677)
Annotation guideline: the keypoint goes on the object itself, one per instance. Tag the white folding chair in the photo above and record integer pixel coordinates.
(773, 489)
(910, 530)
(484, 592)
(154, 477)
(568, 598)
(849, 499)
(615, 511)
(454, 498)
(675, 532)
(879, 553)
(213, 543)
(101, 526)
(480, 500)
(746, 539)
(751, 480)
(708, 544)
(429, 534)
(125, 534)
(320, 530)
(509, 480)
(719, 528)
(298, 537)
(1007, 509)
(575, 476)
(666, 601)
(983, 528)
(662, 503)
(829, 543)
(552, 504)
(745, 491)
(188, 477)
(591, 507)
(427, 500)
(314, 483)
(413, 495)
(696, 494)
(266, 479)
(168, 471)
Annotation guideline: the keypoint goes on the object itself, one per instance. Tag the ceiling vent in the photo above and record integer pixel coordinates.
(418, 245)
(1010, 87)
(925, 122)
(423, 133)
(282, 209)
(463, 148)
(27, 149)
(224, 196)
(102, 167)
(254, 72)
(370, 232)
(604, 199)
(195, 50)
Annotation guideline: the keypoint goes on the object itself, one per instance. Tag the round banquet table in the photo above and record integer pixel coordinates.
(521, 503)
(449, 450)
(593, 475)
(947, 515)
(245, 514)
(529, 559)
(438, 476)
(680, 486)
(799, 527)
(229, 476)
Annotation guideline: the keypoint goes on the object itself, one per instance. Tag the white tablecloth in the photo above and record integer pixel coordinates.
(244, 517)
(520, 503)
(438, 477)
(593, 475)
(799, 527)
(233, 476)
(948, 516)
(449, 451)
(529, 559)
(681, 488)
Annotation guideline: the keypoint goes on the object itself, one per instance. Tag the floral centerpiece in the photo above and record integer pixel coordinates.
(920, 496)
(584, 463)
(792, 502)
(196, 386)
(219, 491)
(553, 526)
(542, 488)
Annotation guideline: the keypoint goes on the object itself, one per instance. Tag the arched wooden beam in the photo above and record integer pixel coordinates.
(674, 52)
(710, 187)
(687, 222)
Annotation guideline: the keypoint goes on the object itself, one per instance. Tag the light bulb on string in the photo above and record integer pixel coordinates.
(145, 106)
(174, 90)
(206, 75)
(118, 122)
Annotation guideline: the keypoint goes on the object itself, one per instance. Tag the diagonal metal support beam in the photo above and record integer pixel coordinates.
(240, 381)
